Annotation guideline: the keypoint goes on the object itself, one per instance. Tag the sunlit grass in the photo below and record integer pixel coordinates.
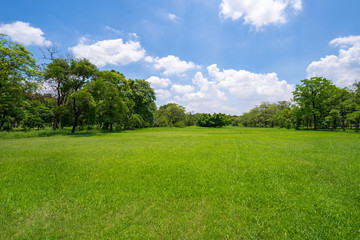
(190, 183)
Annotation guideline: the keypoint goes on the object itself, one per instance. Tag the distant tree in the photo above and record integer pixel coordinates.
(171, 115)
(312, 95)
(354, 104)
(214, 120)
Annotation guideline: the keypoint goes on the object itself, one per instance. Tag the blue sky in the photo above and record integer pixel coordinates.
(209, 56)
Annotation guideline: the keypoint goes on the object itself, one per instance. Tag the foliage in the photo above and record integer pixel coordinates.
(171, 115)
(18, 72)
(214, 120)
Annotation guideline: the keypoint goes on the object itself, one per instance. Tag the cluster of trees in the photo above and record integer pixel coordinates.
(318, 103)
(173, 115)
(76, 93)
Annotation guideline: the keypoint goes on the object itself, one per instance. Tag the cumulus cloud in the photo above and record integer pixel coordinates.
(157, 82)
(115, 52)
(343, 69)
(259, 13)
(25, 34)
(244, 84)
(171, 65)
(182, 89)
(232, 91)
(345, 41)
(162, 94)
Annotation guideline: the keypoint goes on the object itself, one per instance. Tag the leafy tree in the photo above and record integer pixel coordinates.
(214, 120)
(142, 101)
(65, 77)
(18, 70)
(81, 72)
(81, 104)
(354, 104)
(170, 115)
(58, 76)
(110, 90)
(312, 95)
(340, 103)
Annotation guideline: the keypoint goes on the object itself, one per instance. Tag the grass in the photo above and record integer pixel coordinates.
(190, 183)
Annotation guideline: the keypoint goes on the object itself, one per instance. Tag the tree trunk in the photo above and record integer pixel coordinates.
(315, 122)
(334, 125)
(55, 123)
(357, 126)
(75, 124)
(343, 124)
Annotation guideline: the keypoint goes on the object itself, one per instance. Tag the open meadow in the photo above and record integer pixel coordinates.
(181, 183)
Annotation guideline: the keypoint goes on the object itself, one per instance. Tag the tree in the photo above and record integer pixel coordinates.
(66, 76)
(312, 96)
(354, 105)
(81, 72)
(214, 120)
(18, 72)
(171, 115)
(81, 104)
(142, 101)
(57, 75)
(110, 90)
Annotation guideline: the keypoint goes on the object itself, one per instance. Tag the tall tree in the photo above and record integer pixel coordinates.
(143, 101)
(18, 70)
(110, 90)
(57, 76)
(312, 96)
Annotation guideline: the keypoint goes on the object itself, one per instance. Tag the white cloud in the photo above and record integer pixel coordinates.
(171, 16)
(233, 91)
(171, 65)
(159, 82)
(114, 52)
(243, 84)
(182, 89)
(259, 13)
(25, 34)
(162, 94)
(343, 69)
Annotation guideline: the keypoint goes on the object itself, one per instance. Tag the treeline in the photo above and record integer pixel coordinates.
(68, 92)
(317, 104)
(173, 115)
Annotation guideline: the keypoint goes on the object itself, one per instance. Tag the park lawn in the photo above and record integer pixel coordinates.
(188, 183)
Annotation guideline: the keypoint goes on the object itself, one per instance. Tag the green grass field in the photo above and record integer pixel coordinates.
(190, 183)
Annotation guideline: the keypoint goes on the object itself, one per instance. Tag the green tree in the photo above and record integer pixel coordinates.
(110, 90)
(171, 115)
(142, 101)
(81, 104)
(57, 75)
(18, 72)
(312, 95)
